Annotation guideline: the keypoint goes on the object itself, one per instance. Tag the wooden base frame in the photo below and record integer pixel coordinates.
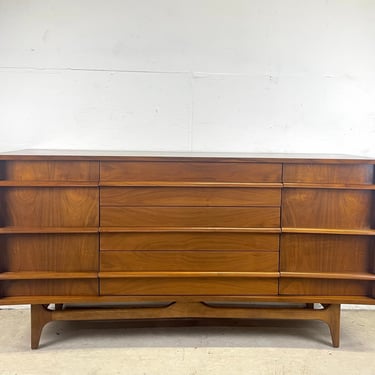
(41, 314)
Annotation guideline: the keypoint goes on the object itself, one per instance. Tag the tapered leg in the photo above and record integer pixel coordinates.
(334, 324)
(40, 316)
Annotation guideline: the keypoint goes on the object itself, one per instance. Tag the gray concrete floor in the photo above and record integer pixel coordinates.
(275, 348)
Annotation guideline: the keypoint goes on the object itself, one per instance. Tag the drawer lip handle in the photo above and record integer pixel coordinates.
(115, 275)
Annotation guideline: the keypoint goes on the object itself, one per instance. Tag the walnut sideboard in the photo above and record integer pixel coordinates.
(200, 236)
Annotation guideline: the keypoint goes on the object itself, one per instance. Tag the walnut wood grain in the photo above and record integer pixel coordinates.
(49, 207)
(317, 208)
(235, 261)
(198, 241)
(326, 253)
(180, 196)
(191, 216)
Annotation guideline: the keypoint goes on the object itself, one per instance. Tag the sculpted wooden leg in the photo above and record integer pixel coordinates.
(40, 316)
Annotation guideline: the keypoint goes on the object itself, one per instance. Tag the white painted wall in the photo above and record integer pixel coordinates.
(200, 75)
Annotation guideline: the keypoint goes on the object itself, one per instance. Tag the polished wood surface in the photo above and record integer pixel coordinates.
(119, 227)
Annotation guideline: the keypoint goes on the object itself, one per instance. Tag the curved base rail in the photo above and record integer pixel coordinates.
(41, 315)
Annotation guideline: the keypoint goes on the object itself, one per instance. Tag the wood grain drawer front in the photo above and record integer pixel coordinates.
(151, 241)
(329, 174)
(71, 287)
(321, 208)
(184, 286)
(46, 252)
(54, 207)
(242, 217)
(194, 261)
(190, 171)
(324, 287)
(50, 170)
(326, 253)
(176, 196)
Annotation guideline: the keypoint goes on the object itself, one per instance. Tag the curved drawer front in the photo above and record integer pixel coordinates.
(189, 261)
(184, 286)
(189, 196)
(198, 241)
(190, 171)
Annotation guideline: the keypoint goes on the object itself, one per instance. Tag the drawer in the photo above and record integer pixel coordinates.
(323, 287)
(58, 170)
(194, 261)
(50, 207)
(184, 286)
(71, 287)
(326, 253)
(327, 208)
(242, 217)
(189, 241)
(49, 252)
(329, 174)
(190, 171)
(179, 196)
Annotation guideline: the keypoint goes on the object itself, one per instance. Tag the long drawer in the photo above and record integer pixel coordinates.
(190, 171)
(242, 217)
(193, 196)
(199, 241)
(188, 286)
(194, 261)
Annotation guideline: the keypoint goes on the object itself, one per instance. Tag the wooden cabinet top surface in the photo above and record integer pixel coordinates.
(35, 154)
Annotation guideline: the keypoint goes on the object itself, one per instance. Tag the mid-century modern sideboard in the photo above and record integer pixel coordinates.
(173, 236)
